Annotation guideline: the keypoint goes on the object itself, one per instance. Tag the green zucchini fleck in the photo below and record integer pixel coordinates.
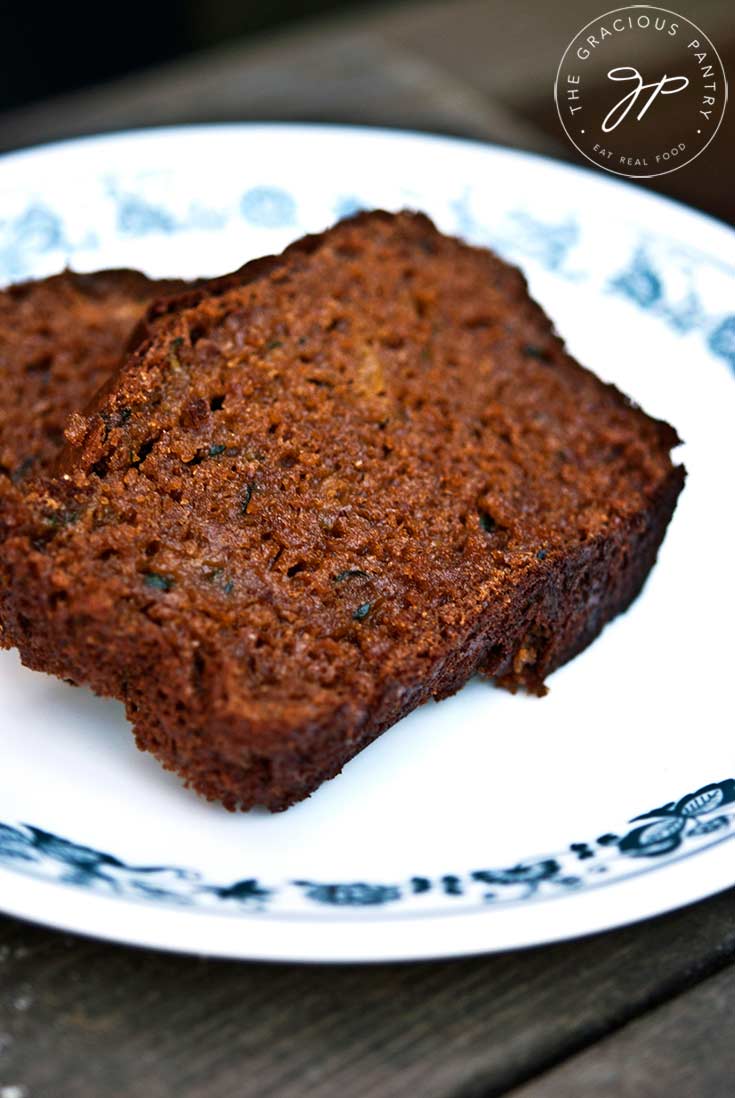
(61, 518)
(22, 469)
(530, 350)
(216, 576)
(157, 581)
(362, 611)
(350, 573)
(246, 499)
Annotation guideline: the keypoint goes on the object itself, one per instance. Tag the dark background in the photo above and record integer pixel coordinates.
(53, 48)
(474, 68)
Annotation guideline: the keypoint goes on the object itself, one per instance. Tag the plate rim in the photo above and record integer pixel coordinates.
(36, 901)
(269, 938)
(146, 133)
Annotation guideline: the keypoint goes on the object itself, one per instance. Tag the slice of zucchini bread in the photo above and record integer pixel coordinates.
(339, 486)
(60, 339)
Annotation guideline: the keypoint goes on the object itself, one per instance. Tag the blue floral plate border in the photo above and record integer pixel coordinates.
(679, 285)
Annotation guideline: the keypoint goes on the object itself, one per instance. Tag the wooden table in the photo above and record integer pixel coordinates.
(644, 1011)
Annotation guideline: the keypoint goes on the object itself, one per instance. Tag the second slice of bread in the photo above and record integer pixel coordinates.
(61, 338)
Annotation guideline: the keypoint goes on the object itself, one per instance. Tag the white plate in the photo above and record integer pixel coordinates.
(485, 822)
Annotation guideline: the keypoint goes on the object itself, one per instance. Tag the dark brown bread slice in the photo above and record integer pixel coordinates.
(60, 340)
(317, 498)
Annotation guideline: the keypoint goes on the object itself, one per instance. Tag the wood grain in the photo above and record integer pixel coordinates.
(81, 1019)
(683, 1049)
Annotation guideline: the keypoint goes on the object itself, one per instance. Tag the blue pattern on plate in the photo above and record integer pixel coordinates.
(695, 820)
(268, 207)
(556, 245)
(142, 211)
(136, 217)
(643, 284)
(721, 340)
(36, 231)
(519, 235)
(639, 282)
(346, 206)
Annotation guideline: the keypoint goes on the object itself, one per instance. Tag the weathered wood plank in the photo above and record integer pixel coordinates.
(685, 1048)
(81, 1019)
